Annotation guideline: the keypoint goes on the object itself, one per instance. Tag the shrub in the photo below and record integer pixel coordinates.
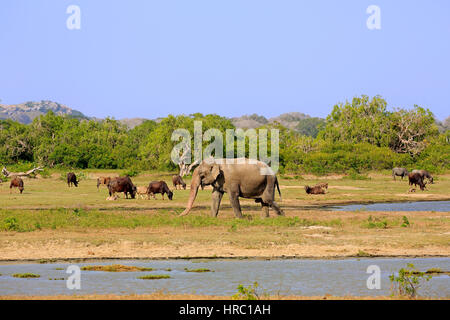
(247, 293)
(408, 281)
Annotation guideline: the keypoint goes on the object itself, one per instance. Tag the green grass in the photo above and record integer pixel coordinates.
(154, 277)
(25, 275)
(26, 220)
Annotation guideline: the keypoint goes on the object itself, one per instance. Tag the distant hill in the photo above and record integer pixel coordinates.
(26, 112)
(297, 121)
(300, 122)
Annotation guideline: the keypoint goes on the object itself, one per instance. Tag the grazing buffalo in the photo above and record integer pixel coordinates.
(103, 180)
(122, 184)
(178, 181)
(424, 174)
(16, 182)
(159, 187)
(142, 191)
(416, 179)
(72, 179)
(323, 185)
(401, 172)
(314, 190)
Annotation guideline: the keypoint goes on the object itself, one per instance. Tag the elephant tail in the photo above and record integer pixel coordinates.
(278, 187)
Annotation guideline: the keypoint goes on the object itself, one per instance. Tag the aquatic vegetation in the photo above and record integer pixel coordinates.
(408, 281)
(25, 275)
(247, 293)
(115, 268)
(198, 270)
(154, 276)
(56, 279)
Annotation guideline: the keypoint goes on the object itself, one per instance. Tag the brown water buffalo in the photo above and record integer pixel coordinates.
(159, 187)
(72, 179)
(122, 184)
(103, 180)
(323, 185)
(178, 181)
(314, 190)
(424, 174)
(16, 182)
(416, 179)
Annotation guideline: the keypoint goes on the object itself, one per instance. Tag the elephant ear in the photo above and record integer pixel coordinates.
(215, 171)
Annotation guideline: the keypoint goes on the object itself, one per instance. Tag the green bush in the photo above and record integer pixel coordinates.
(408, 281)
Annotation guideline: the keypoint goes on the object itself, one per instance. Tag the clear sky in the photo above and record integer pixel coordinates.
(231, 57)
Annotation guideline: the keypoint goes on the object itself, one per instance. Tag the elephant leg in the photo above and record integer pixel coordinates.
(265, 209)
(234, 199)
(277, 208)
(216, 198)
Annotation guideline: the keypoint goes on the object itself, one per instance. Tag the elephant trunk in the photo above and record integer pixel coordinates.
(195, 184)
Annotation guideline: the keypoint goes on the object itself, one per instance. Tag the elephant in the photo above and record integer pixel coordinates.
(250, 179)
(402, 172)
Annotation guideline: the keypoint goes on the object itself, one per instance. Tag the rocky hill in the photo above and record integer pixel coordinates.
(289, 120)
(26, 112)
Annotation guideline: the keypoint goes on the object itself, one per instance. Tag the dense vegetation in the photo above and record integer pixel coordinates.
(357, 136)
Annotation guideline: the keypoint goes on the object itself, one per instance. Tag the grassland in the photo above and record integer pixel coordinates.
(52, 221)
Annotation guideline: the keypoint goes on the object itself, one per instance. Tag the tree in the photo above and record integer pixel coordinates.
(412, 130)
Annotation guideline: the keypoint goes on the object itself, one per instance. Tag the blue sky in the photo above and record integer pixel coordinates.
(152, 58)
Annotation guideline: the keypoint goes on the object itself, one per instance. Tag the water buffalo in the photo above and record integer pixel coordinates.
(141, 191)
(103, 180)
(416, 179)
(178, 181)
(323, 185)
(122, 184)
(424, 174)
(314, 190)
(16, 182)
(72, 179)
(401, 172)
(159, 187)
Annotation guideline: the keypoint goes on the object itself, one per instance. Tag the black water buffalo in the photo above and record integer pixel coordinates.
(314, 190)
(72, 179)
(159, 187)
(401, 172)
(122, 184)
(178, 181)
(16, 182)
(424, 174)
(416, 179)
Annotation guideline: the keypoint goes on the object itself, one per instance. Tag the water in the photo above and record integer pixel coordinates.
(437, 206)
(285, 277)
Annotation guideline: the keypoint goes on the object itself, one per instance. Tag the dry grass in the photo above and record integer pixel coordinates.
(151, 228)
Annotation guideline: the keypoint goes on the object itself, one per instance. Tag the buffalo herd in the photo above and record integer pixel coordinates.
(124, 184)
(415, 177)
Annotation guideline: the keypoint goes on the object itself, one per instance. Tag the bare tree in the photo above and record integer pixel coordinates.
(33, 171)
(185, 167)
(411, 129)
